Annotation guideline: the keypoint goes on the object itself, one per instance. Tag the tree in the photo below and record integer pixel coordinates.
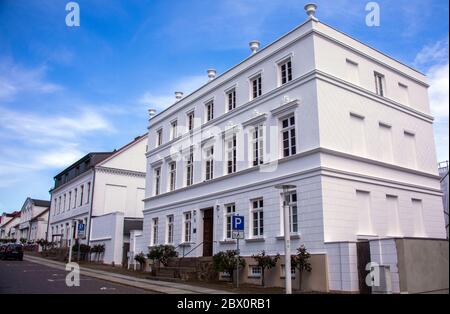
(301, 262)
(226, 262)
(162, 254)
(140, 258)
(265, 262)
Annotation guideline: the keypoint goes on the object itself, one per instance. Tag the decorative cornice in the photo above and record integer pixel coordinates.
(285, 108)
(259, 118)
(120, 171)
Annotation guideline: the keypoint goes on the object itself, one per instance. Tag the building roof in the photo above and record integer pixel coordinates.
(45, 212)
(40, 203)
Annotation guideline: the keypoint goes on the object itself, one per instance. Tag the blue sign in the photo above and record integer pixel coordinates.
(80, 227)
(238, 223)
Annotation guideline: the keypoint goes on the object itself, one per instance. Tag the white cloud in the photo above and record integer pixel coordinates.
(433, 54)
(439, 87)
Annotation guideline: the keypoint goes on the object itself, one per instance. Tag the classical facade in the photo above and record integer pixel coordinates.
(347, 125)
(8, 221)
(104, 191)
(33, 219)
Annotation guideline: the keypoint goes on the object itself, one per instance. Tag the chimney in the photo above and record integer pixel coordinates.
(254, 46)
(151, 113)
(211, 74)
(310, 9)
(178, 95)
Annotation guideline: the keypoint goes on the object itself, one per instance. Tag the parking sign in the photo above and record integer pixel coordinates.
(81, 230)
(237, 223)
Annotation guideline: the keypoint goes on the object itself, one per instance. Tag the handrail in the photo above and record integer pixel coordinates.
(184, 255)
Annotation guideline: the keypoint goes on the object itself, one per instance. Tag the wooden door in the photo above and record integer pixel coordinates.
(208, 232)
(363, 255)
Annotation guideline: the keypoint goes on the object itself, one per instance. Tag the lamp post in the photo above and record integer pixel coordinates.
(287, 237)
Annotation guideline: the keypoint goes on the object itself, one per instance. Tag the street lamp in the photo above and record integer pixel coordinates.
(287, 236)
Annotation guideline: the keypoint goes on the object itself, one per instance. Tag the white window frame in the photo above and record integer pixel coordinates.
(257, 144)
(229, 212)
(88, 192)
(157, 181)
(293, 211)
(155, 225)
(75, 198)
(209, 163)
(172, 175)
(190, 116)
(159, 134)
(380, 86)
(190, 168)
(230, 98)
(209, 110)
(170, 229)
(187, 227)
(230, 153)
(289, 129)
(258, 213)
(254, 271)
(289, 73)
(81, 194)
(173, 129)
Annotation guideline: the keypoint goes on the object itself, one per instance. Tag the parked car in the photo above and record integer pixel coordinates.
(13, 251)
(3, 250)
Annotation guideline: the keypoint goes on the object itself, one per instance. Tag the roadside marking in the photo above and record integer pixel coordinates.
(106, 288)
(61, 279)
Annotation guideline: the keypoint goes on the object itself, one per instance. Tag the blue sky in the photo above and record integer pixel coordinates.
(67, 91)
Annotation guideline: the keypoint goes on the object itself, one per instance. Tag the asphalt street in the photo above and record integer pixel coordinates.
(28, 277)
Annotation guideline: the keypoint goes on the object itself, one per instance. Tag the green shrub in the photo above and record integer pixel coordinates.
(226, 262)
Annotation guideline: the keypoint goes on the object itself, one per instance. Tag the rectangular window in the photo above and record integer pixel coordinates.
(187, 227)
(81, 195)
(230, 210)
(190, 121)
(231, 99)
(209, 107)
(155, 231)
(209, 163)
(70, 201)
(59, 206)
(379, 84)
(88, 192)
(75, 198)
(157, 181)
(190, 168)
(230, 151)
(170, 229)
(257, 218)
(64, 203)
(158, 137)
(291, 199)
(172, 175)
(55, 206)
(254, 271)
(173, 129)
(258, 145)
(286, 71)
(256, 86)
(288, 136)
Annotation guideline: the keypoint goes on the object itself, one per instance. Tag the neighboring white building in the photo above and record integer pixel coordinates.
(97, 186)
(443, 173)
(7, 224)
(348, 125)
(34, 214)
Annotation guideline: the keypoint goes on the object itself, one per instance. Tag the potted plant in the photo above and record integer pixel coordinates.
(265, 262)
(226, 262)
(301, 262)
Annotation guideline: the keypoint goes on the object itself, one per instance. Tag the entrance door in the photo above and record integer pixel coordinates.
(208, 232)
(363, 255)
(125, 251)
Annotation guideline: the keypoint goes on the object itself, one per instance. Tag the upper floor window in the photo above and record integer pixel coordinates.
(231, 99)
(256, 83)
(190, 168)
(55, 206)
(379, 84)
(230, 210)
(230, 154)
(209, 110)
(187, 226)
(70, 200)
(75, 198)
(59, 206)
(190, 120)
(172, 175)
(88, 192)
(157, 181)
(286, 71)
(257, 138)
(170, 229)
(288, 136)
(173, 129)
(159, 137)
(209, 163)
(81, 195)
(64, 203)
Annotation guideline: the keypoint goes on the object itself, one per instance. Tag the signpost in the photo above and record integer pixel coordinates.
(81, 234)
(237, 231)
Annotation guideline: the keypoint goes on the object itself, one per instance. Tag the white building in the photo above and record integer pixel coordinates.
(105, 191)
(7, 224)
(349, 126)
(33, 219)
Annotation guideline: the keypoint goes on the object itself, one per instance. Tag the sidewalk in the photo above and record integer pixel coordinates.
(147, 284)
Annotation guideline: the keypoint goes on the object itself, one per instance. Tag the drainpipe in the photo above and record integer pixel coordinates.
(90, 210)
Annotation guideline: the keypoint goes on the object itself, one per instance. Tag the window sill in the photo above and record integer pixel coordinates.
(227, 241)
(255, 240)
(294, 236)
(185, 244)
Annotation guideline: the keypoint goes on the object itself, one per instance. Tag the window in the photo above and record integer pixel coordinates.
(172, 175)
(59, 206)
(81, 194)
(209, 163)
(291, 199)
(230, 210)
(155, 231)
(88, 192)
(258, 145)
(190, 168)
(231, 99)
(190, 121)
(75, 198)
(286, 71)
(173, 129)
(283, 271)
(157, 181)
(288, 136)
(187, 227)
(64, 203)
(254, 271)
(352, 72)
(403, 94)
(256, 86)
(158, 137)
(55, 206)
(230, 153)
(209, 111)
(379, 84)
(257, 218)
(70, 201)
(170, 229)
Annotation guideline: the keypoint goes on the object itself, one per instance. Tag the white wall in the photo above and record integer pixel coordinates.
(108, 230)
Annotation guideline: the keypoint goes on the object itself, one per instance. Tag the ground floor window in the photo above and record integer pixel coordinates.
(230, 210)
(187, 226)
(155, 222)
(170, 229)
